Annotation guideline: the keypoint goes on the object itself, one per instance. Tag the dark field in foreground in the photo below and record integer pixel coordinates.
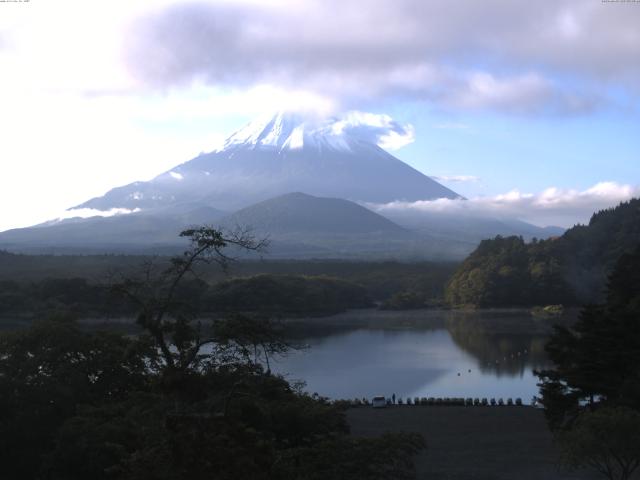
(480, 443)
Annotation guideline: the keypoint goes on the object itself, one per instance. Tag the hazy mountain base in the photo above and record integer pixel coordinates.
(463, 226)
(366, 247)
(297, 225)
(264, 162)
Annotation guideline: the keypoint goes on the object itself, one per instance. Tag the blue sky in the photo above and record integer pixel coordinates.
(527, 111)
(527, 153)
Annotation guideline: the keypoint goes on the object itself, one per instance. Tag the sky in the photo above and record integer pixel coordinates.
(529, 109)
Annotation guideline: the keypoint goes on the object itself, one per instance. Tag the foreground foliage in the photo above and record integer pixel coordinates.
(597, 361)
(592, 395)
(607, 440)
(177, 402)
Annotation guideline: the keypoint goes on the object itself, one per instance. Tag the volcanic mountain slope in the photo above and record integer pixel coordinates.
(280, 155)
(254, 175)
(295, 213)
(156, 231)
(301, 225)
(297, 226)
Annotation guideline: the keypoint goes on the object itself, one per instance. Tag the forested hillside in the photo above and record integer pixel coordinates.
(570, 269)
(259, 294)
(287, 294)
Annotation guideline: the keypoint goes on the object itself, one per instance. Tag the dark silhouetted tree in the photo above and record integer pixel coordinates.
(597, 361)
(606, 440)
(592, 394)
(174, 402)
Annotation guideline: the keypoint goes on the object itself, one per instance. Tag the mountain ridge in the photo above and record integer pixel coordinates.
(297, 211)
(284, 154)
(333, 165)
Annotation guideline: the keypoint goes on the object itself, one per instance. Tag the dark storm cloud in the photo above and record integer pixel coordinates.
(522, 57)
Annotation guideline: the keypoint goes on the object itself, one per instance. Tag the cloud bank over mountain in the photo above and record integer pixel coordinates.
(96, 94)
(553, 206)
(506, 56)
(380, 129)
(455, 178)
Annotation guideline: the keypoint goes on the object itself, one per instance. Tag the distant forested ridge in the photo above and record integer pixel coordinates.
(32, 284)
(287, 294)
(570, 269)
(259, 294)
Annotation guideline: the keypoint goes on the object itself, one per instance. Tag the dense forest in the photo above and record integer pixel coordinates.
(172, 402)
(264, 294)
(288, 294)
(381, 278)
(570, 269)
(30, 285)
(504, 271)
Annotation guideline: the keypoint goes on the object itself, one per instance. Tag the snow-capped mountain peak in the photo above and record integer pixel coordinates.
(265, 132)
(336, 157)
(289, 131)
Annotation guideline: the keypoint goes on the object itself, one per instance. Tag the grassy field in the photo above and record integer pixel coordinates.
(480, 443)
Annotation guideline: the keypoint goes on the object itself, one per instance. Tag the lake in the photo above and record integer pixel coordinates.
(427, 353)
(421, 353)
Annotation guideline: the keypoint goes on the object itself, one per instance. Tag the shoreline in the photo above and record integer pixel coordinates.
(498, 320)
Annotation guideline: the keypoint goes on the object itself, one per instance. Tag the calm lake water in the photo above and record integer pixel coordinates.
(422, 353)
(426, 353)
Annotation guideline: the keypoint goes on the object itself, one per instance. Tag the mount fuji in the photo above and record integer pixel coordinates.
(278, 155)
(301, 182)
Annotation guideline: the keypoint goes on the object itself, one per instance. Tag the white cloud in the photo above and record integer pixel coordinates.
(455, 178)
(553, 206)
(97, 94)
(483, 90)
(200, 101)
(426, 50)
(176, 175)
(528, 93)
(59, 150)
(90, 212)
(395, 140)
(380, 129)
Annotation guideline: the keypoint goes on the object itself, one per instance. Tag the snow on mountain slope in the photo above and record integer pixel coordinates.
(278, 155)
(292, 132)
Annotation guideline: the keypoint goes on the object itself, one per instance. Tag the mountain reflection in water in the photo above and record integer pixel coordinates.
(437, 353)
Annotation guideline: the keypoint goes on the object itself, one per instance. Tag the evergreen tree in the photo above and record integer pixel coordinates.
(597, 361)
